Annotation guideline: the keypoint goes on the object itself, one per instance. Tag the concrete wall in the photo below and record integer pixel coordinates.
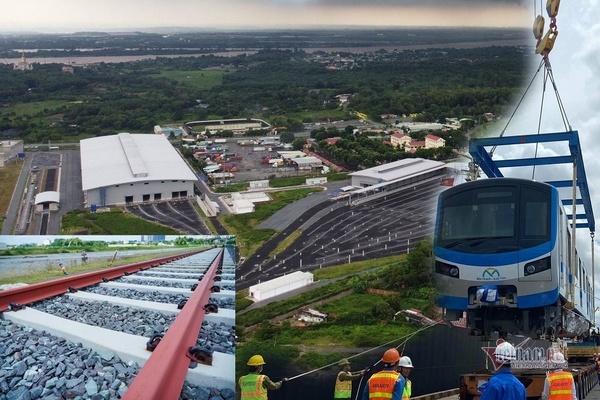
(115, 194)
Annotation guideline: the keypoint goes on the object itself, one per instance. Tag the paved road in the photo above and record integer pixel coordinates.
(13, 208)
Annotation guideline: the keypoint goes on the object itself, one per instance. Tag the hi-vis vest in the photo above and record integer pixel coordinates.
(343, 389)
(251, 387)
(407, 390)
(561, 385)
(381, 385)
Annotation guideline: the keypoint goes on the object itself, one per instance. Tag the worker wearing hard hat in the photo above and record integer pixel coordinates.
(388, 383)
(404, 367)
(559, 384)
(254, 386)
(343, 381)
(503, 385)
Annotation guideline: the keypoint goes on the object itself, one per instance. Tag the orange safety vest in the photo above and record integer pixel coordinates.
(381, 385)
(561, 385)
(251, 387)
(407, 390)
(343, 389)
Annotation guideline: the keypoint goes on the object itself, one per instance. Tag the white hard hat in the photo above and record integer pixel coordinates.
(505, 352)
(405, 362)
(558, 358)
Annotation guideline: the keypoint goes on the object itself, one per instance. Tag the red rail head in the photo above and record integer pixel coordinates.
(164, 373)
(39, 291)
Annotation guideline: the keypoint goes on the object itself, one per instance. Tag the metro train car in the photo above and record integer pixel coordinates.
(502, 251)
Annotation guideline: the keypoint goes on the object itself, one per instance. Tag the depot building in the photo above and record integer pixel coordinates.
(133, 168)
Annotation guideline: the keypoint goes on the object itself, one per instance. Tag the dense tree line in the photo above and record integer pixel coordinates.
(285, 87)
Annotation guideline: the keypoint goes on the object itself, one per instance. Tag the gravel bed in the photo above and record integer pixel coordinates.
(165, 284)
(170, 276)
(217, 337)
(159, 297)
(37, 365)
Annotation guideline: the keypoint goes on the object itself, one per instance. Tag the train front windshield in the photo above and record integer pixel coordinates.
(494, 219)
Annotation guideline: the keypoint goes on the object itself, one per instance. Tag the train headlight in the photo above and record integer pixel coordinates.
(447, 269)
(537, 266)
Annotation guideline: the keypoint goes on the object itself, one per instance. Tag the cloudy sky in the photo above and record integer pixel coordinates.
(69, 15)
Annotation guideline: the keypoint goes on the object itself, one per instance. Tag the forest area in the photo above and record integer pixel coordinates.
(285, 87)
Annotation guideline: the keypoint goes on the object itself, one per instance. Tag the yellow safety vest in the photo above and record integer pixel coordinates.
(381, 385)
(251, 387)
(343, 389)
(561, 385)
(407, 390)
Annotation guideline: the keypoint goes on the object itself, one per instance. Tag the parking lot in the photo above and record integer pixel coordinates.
(336, 233)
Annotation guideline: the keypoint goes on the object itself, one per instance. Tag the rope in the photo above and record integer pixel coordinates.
(408, 337)
(518, 104)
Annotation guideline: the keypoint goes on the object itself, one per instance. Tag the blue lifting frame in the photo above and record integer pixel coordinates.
(492, 168)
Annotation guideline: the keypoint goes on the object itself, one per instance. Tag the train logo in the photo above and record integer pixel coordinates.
(491, 274)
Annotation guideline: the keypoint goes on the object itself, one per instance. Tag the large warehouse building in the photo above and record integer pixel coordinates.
(281, 285)
(125, 169)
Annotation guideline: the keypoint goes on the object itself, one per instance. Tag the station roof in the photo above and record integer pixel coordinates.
(399, 169)
(126, 158)
(307, 161)
(47, 197)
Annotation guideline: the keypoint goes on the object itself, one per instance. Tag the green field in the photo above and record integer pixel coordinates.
(110, 223)
(198, 80)
(28, 109)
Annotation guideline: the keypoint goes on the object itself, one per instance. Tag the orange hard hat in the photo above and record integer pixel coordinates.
(390, 356)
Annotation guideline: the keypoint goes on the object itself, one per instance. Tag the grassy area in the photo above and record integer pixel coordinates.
(9, 174)
(243, 226)
(337, 271)
(53, 272)
(198, 80)
(35, 107)
(235, 187)
(110, 223)
(277, 308)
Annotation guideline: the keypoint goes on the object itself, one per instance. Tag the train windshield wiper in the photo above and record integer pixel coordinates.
(476, 241)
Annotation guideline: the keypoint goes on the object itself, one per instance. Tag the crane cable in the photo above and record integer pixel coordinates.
(406, 339)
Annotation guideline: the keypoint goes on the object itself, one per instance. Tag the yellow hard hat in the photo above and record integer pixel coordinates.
(343, 362)
(256, 360)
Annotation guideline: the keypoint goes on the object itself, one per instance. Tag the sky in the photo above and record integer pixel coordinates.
(66, 16)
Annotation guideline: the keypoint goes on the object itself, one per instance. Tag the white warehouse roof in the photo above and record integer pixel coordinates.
(125, 158)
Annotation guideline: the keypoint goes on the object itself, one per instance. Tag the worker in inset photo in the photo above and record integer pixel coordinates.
(404, 367)
(343, 381)
(255, 385)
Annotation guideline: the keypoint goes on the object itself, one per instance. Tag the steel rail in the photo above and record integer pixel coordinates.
(40, 291)
(163, 375)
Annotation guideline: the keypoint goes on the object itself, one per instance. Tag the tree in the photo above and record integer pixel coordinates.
(287, 137)
(299, 143)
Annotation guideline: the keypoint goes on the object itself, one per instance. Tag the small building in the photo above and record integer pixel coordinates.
(316, 181)
(432, 141)
(311, 316)
(281, 285)
(242, 206)
(307, 163)
(398, 139)
(258, 184)
(47, 201)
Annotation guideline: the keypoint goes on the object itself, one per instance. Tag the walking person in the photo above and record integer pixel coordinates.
(343, 381)
(406, 366)
(559, 384)
(503, 385)
(255, 385)
(388, 383)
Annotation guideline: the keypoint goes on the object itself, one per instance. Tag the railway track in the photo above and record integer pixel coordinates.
(133, 332)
